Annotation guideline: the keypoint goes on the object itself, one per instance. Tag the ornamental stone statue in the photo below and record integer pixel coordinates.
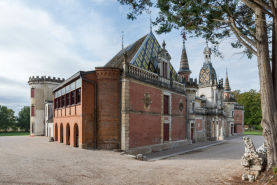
(252, 160)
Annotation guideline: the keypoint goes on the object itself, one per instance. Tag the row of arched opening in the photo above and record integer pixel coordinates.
(59, 134)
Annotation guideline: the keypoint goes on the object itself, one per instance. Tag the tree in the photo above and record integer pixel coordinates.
(23, 120)
(7, 118)
(252, 106)
(252, 22)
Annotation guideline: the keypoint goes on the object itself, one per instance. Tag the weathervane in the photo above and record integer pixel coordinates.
(122, 40)
(150, 22)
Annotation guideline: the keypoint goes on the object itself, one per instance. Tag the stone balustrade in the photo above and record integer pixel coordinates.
(148, 76)
(142, 73)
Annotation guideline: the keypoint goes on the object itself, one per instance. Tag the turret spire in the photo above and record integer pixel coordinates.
(184, 64)
(227, 86)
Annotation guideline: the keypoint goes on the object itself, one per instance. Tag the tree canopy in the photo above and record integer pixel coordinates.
(252, 106)
(23, 120)
(7, 118)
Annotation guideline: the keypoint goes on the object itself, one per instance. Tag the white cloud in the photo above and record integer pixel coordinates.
(33, 44)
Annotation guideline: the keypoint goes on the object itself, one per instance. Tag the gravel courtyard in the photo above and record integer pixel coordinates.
(25, 160)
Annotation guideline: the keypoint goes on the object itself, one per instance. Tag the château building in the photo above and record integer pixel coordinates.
(139, 103)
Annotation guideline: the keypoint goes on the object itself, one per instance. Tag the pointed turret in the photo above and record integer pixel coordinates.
(184, 71)
(207, 75)
(227, 88)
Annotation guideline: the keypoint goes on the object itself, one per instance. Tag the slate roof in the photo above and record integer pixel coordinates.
(131, 50)
(144, 54)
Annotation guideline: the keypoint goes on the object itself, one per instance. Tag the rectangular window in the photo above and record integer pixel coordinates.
(72, 97)
(67, 99)
(33, 111)
(56, 103)
(63, 101)
(32, 92)
(166, 98)
(78, 83)
(59, 102)
(79, 95)
(232, 113)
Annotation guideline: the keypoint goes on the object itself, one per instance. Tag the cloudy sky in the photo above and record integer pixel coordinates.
(57, 38)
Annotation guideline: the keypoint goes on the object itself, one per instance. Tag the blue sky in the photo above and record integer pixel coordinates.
(57, 38)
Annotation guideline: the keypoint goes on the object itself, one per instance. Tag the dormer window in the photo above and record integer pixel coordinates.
(165, 69)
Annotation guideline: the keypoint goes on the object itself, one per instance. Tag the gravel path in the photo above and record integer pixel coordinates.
(25, 160)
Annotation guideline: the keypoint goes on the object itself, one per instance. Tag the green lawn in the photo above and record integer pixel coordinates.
(14, 134)
(254, 132)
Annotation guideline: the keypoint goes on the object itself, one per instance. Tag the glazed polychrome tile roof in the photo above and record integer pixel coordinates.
(144, 54)
(227, 86)
(184, 64)
(207, 74)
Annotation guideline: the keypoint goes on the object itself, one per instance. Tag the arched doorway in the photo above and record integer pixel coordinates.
(76, 137)
(68, 134)
(56, 132)
(61, 133)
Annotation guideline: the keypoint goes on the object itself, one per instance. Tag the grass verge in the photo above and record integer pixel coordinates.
(14, 133)
(254, 132)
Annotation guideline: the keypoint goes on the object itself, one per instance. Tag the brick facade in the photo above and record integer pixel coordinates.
(108, 106)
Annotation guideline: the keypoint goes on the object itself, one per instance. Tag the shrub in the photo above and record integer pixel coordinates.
(258, 127)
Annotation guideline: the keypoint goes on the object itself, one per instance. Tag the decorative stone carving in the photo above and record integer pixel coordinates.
(181, 106)
(252, 160)
(147, 101)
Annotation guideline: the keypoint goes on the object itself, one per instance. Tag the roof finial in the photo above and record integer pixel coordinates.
(150, 22)
(226, 72)
(183, 43)
(164, 44)
(207, 43)
(122, 40)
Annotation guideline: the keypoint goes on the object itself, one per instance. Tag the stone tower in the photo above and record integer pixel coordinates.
(184, 71)
(40, 91)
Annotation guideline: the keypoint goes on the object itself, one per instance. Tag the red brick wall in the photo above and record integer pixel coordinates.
(178, 128)
(144, 130)
(88, 106)
(238, 116)
(239, 128)
(196, 124)
(175, 104)
(108, 106)
(178, 124)
(137, 92)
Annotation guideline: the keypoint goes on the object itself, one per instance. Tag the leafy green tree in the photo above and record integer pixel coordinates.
(7, 118)
(254, 25)
(23, 120)
(252, 106)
